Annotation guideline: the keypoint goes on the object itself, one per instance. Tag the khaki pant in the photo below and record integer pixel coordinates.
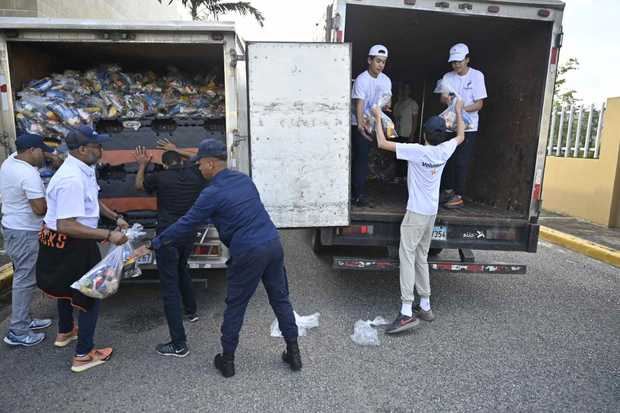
(415, 238)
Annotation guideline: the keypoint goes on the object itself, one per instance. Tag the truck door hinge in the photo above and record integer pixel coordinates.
(237, 138)
(235, 57)
(559, 39)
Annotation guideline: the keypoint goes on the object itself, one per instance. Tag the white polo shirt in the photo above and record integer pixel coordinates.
(73, 192)
(19, 183)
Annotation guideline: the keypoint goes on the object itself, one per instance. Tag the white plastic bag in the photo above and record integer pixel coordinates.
(304, 323)
(103, 279)
(386, 122)
(364, 334)
(449, 115)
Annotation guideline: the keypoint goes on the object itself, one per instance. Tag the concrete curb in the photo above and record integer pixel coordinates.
(6, 277)
(582, 246)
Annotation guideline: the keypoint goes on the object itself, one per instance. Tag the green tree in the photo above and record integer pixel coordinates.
(212, 9)
(561, 95)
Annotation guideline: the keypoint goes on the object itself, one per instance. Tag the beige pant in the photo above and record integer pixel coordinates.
(416, 231)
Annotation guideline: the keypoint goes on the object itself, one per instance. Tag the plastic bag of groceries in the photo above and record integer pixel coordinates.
(449, 115)
(386, 122)
(103, 279)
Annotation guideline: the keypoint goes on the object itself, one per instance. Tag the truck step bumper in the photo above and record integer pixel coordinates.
(390, 264)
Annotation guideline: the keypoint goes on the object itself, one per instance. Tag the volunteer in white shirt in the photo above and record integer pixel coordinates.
(469, 85)
(406, 113)
(23, 207)
(369, 87)
(68, 244)
(425, 164)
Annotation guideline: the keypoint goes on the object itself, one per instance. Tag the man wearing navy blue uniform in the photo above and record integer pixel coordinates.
(232, 203)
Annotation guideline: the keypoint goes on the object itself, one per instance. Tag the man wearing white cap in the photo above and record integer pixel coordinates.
(468, 83)
(369, 87)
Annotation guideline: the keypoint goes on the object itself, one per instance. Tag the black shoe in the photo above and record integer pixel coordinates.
(225, 364)
(192, 317)
(402, 323)
(292, 356)
(362, 202)
(171, 349)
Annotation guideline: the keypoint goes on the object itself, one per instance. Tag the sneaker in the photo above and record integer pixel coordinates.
(424, 315)
(92, 359)
(402, 323)
(456, 201)
(192, 317)
(64, 339)
(225, 364)
(174, 350)
(445, 195)
(292, 356)
(40, 323)
(26, 340)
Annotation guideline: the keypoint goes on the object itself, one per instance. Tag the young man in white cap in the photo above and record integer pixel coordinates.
(425, 164)
(369, 87)
(469, 84)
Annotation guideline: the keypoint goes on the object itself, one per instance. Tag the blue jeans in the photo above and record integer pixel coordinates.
(359, 167)
(87, 322)
(22, 247)
(266, 263)
(176, 287)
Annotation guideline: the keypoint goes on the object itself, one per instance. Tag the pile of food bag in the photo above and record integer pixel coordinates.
(444, 88)
(387, 123)
(52, 105)
(104, 278)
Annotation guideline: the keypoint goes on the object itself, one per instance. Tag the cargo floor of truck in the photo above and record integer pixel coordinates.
(389, 201)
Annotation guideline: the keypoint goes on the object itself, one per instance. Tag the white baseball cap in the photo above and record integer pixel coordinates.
(458, 52)
(378, 50)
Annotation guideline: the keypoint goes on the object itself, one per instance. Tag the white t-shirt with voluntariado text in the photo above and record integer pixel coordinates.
(425, 165)
(470, 88)
(19, 183)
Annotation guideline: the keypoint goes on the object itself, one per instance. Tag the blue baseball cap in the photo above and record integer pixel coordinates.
(210, 148)
(30, 140)
(83, 135)
(435, 124)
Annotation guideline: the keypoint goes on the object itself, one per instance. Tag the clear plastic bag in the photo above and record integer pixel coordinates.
(103, 279)
(304, 323)
(449, 115)
(386, 122)
(364, 334)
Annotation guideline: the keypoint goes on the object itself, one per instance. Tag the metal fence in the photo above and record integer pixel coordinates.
(576, 131)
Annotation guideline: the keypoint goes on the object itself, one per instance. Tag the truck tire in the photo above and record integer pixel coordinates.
(433, 252)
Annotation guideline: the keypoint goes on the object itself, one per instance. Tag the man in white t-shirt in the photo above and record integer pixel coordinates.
(406, 113)
(368, 89)
(469, 84)
(425, 163)
(23, 207)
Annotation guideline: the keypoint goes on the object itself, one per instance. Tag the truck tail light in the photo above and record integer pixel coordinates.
(356, 230)
(537, 191)
(207, 250)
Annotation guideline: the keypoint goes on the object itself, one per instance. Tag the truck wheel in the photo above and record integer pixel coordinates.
(433, 252)
(317, 247)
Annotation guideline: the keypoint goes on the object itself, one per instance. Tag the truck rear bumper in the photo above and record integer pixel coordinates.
(389, 264)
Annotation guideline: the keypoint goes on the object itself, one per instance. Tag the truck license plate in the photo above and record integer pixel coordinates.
(440, 233)
(145, 259)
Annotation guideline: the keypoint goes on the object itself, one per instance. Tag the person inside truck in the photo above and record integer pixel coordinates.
(425, 164)
(368, 89)
(68, 244)
(405, 113)
(233, 203)
(177, 187)
(468, 83)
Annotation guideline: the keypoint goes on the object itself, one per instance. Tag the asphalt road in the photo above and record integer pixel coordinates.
(545, 341)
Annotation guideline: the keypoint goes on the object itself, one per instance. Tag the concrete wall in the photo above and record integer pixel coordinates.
(95, 9)
(588, 188)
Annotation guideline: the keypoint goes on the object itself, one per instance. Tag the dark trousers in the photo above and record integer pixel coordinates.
(456, 170)
(265, 263)
(359, 163)
(176, 287)
(87, 322)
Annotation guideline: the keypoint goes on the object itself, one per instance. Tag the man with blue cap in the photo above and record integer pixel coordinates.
(425, 164)
(232, 203)
(23, 207)
(69, 244)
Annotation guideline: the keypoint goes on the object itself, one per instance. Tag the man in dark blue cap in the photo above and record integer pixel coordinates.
(68, 244)
(232, 203)
(425, 164)
(23, 207)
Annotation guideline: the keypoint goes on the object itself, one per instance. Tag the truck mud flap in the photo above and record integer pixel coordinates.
(390, 264)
